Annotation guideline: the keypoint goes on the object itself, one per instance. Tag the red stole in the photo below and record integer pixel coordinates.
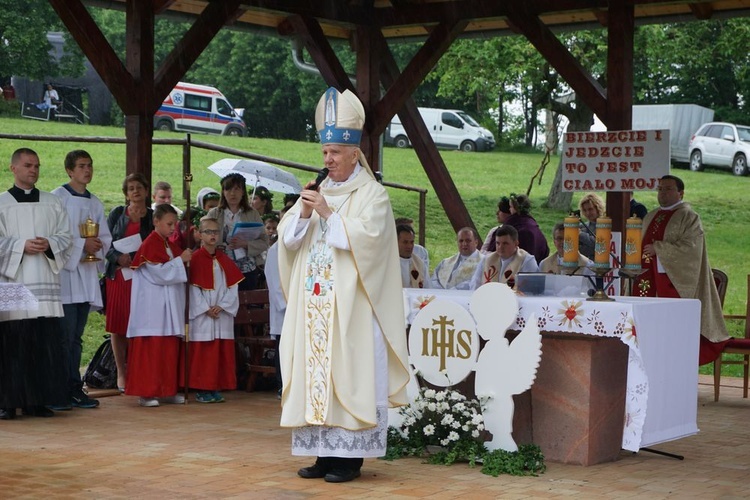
(153, 250)
(653, 283)
(202, 269)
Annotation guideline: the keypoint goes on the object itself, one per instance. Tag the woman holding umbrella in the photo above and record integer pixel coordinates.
(234, 206)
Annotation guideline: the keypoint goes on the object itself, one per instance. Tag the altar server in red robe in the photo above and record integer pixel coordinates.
(214, 302)
(157, 314)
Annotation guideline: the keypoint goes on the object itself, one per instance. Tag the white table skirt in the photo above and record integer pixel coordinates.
(663, 337)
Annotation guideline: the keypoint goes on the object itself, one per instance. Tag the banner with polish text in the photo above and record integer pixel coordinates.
(620, 160)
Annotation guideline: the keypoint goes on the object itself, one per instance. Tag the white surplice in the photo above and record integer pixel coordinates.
(157, 300)
(204, 328)
(39, 273)
(80, 280)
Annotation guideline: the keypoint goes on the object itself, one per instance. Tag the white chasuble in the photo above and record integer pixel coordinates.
(343, 347)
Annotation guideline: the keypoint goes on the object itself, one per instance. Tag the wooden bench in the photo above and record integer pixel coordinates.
(251, 333)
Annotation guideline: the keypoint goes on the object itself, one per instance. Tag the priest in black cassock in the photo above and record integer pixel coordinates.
(35, 242)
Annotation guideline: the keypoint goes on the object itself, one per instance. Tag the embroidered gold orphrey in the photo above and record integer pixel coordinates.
(320, 299)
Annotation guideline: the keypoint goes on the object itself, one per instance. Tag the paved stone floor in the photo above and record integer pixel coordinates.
(237, 450)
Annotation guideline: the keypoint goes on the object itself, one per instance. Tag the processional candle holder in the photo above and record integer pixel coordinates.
(633, 252)
(601, 257)
(89, 229)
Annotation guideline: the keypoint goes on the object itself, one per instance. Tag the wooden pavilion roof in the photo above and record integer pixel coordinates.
(417, 18)
(139, 87)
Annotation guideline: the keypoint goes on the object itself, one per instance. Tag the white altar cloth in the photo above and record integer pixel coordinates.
(663, 339)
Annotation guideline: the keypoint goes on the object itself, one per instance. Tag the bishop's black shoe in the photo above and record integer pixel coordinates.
(318, 470)
(342, 475)
(7, 413)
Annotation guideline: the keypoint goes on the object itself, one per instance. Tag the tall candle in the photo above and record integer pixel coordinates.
(570, 241)
(633, 228)
(603, 239)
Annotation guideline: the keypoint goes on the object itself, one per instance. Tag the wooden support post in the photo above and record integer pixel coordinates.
(620, 94)
(368, 90)
(139, 60)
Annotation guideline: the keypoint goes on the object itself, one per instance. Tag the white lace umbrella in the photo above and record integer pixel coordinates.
(258, 173)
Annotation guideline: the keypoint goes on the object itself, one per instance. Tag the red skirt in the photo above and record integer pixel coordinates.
(212, 366)
(118, 304)
(152, 366)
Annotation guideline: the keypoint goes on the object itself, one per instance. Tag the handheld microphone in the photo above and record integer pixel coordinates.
(320, 178)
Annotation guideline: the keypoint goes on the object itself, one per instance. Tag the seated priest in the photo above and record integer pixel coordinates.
(455, 272)
(414, 272)
(553, 263)
(419, 250)
(504, 264)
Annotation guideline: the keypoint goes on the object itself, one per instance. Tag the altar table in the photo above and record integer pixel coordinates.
(662, 336)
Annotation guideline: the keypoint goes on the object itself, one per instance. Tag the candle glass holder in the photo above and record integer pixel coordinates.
(599, 294)
(89, 229)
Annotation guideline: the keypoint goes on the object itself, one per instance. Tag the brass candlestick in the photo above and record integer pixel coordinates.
(599, 293)
(89, 229)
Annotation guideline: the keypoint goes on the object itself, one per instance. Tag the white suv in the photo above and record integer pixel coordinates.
(721, 145)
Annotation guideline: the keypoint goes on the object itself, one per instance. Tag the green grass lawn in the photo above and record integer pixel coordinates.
(481, 179)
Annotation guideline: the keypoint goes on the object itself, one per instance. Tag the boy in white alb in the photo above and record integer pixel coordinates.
(79, 279)
(157, 314)
(214, 301)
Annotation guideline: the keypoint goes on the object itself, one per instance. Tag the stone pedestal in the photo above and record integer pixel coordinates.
(578, 398)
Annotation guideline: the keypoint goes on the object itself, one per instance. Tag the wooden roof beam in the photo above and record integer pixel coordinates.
(427, 151)
(559, 57)
(190, 47)
(702, 11)
(417, 14)
(415, 72)
(316, 43)
(340, 12)
(97, 49)
(160, 6)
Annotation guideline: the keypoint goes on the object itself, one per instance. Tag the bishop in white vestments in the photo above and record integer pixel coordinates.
(343, 347)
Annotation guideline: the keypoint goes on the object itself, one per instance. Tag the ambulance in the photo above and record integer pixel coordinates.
(198, 108)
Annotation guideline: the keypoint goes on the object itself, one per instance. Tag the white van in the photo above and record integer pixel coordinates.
(449, 128)
(198, 108)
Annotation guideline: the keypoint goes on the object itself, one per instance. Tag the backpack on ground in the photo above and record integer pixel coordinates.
(102, 371)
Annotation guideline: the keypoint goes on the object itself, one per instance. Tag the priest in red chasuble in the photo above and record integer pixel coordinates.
(343, 344)
(676, 263)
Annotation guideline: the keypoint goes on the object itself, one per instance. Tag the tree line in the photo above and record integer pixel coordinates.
(500, 80)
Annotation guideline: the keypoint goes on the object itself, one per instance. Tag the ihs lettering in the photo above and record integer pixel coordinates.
(445, 342)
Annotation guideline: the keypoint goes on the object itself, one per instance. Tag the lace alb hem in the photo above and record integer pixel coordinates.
(322, 441)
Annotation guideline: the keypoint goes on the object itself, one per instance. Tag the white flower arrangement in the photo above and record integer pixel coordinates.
(449, 421)
(443, 418)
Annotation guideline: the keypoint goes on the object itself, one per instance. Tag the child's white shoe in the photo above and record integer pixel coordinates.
(177, 399)
(148, 402)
